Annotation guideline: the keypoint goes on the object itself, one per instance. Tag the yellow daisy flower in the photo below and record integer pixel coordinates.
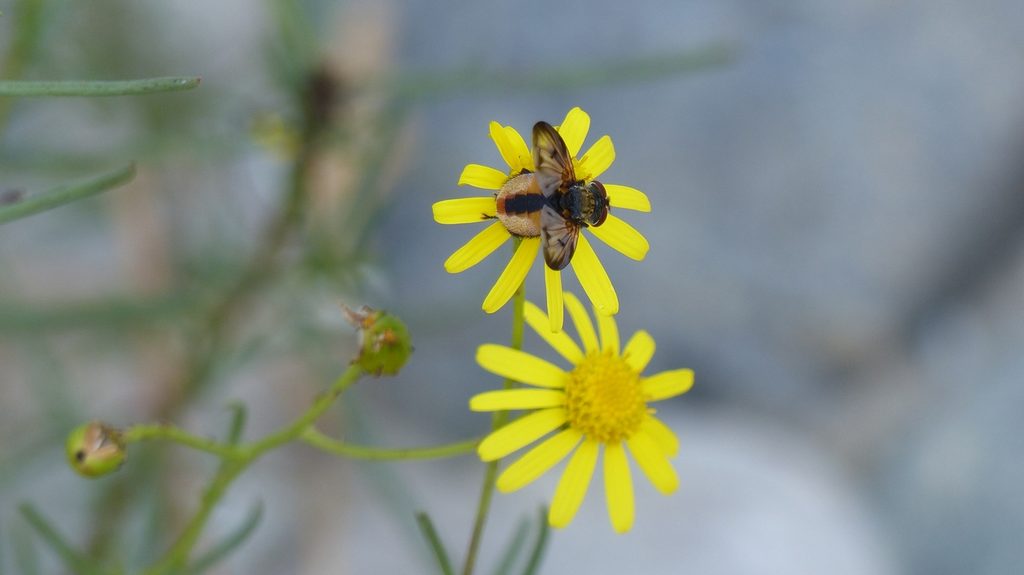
(601, 401)
(615, 232)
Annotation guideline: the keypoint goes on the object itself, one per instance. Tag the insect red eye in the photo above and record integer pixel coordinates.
(603, 215)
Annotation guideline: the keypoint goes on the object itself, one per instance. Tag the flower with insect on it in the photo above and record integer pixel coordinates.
(95, 449)
(599, 404)
(547, 218)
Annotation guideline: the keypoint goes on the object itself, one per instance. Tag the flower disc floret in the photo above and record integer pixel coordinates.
(603, 398)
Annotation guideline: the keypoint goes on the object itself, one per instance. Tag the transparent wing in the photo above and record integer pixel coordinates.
(552, 159)
(558, 238)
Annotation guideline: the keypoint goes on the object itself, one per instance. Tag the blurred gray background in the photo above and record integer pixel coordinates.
(836, 250)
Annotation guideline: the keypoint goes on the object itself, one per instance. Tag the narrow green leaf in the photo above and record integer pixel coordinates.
(427, 527)
(86, 88)
(66, 194)
(32, 18)
(221, 550)
(116, 313)
(539, 546)
(3, 568)
(26, 556)
(72, 558)
(515, 546)
(238, 417)
(578, 76)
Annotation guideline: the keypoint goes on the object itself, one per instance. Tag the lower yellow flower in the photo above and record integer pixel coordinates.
(614, 231)
(600, 402)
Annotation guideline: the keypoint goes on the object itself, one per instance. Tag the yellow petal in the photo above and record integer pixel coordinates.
(572, 487)
(519, 366)
(553, 287)
(594, 279)
(622, 237)
(559, 340)
(639, 350)
(522, 150)
(505, 399)
(573, 130)
(580, 318)
(653, 463)
(662, 435)
(482, 177)
(475, 250)
(627, 198)
(667, 384)
(618, 487)
(538, 460)
(464, 210)
(511, 146)
(513, 275)
(609, 331)
(519, 433)
(597, 159)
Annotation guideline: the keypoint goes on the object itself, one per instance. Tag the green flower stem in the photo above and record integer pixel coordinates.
(324, 443)
(24, 88)
(178, 435)
(66, 194)
(177, 557)
(500, 419)
(241, 456)
(307, 419)
(237, 457)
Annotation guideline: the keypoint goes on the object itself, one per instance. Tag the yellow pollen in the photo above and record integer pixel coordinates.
(604, 399)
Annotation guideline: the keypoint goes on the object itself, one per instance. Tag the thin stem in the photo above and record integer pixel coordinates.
(297, 427)
(24, 88)
(177, 556)
(241, 457)
(65, 194)
(178, 435)
(325, 443)
(500, 419)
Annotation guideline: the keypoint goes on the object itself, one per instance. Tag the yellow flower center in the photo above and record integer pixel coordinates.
(604, 399)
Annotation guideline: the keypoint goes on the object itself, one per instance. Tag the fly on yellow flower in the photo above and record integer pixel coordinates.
(547, 204)
(601, 402)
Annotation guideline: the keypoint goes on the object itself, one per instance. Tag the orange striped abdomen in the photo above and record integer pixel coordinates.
(519, 203)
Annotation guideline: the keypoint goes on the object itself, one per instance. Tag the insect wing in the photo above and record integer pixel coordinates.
(558, 237)
(552, 159)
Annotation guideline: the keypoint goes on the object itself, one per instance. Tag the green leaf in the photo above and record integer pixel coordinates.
(72, 558)
(238, 417)
(120, 314)
(85, 88)
(540, 545)
(515, 546)
(221, 550)
(26, 557)
(430, 534)
(575, 76)
(65, 194)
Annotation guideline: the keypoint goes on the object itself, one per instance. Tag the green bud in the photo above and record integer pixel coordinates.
(95, 449)
(384, 343)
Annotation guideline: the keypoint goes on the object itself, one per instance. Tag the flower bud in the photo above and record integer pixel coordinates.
(95, 449)
(384, 343)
